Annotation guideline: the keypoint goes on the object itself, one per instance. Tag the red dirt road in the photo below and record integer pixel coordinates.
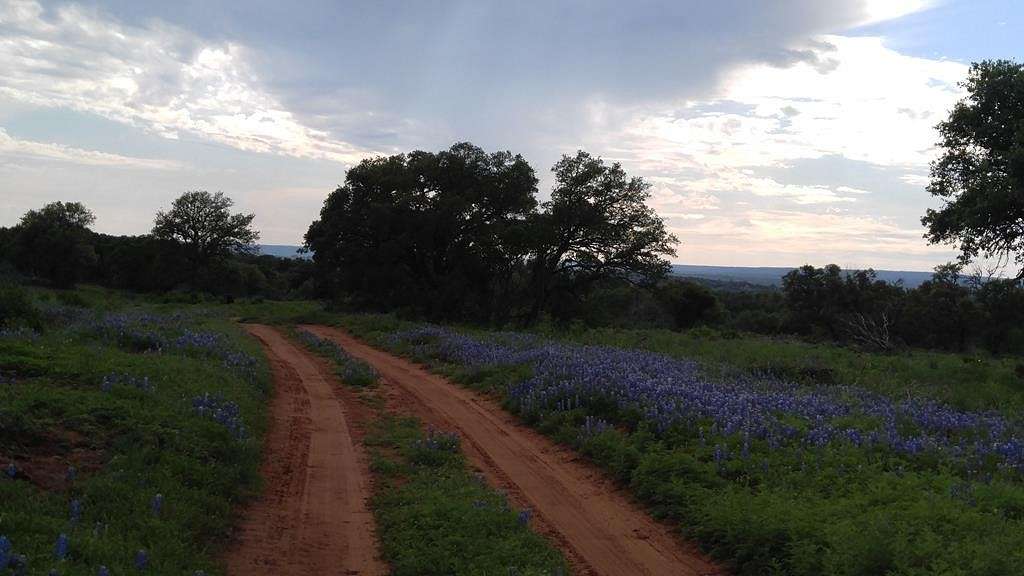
(312, 517)
(603, 532)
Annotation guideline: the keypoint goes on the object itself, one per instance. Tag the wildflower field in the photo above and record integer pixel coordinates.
(769, 474)
(127, 435)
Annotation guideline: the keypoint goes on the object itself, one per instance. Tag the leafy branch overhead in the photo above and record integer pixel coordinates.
(980, 175)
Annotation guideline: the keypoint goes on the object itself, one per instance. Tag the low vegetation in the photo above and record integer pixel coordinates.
(436, 518)
(770, 475)
(127, 436)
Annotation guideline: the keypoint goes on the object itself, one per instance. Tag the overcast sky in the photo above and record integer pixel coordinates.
(775, 133)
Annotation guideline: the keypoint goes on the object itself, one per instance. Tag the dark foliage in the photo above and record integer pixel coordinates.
(441, 234)
(597, 226)
(688, 303)
(980, 175)
(831, 301)
(458, 234)
(17, 310)
(53, 243)
(940, 313)
(205, 227)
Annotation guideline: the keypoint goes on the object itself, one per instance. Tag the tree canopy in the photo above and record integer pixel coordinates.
(459, 233)
(54, 243)
(596, 226)
(433, 231)
(980, 175)
(204, 224)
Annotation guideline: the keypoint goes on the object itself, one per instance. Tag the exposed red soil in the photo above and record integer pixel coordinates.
(601, 530)
(45, 461)
(312, 517)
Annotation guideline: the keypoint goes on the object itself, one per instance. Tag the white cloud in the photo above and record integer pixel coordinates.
(13, 148)
(794, 237)
(157, 77)
(881, 10)
(876, 105)
(916, 179)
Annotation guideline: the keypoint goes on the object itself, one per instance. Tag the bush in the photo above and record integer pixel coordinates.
(70, 298)
(17, 308)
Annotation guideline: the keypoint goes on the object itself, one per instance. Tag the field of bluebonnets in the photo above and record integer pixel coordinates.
(770, 475)
(126, 434)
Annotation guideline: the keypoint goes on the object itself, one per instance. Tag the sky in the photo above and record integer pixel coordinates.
(773, 133)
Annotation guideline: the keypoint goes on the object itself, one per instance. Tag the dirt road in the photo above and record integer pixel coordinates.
(603, 532)
(312, 517)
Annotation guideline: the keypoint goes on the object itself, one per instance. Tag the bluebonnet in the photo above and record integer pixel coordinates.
(20, 564)
(11, 471)
(524, 516)
(224, 412)
(757, 410)
(19, 334)
(353, 370)
(71, 474)
(103, 571)
(6, 552)
(157, 504)
(141, 560)
(61, 547)
(437, 440)
(75, 511)
(138, 382)
(154, 333)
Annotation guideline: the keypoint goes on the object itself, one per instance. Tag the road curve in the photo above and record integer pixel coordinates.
(312, 516)
(605, 532)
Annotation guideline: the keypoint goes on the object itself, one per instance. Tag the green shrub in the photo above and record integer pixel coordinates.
(17, 308)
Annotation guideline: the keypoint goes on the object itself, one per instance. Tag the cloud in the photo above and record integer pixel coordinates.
(157, 77)
(12, 148)
(793, 237)
(882, 10)
(766, 116)
(716, 103)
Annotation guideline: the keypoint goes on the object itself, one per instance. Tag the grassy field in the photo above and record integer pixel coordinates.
(858, 467)
(434, 517)
(906, 463)
(128, 435)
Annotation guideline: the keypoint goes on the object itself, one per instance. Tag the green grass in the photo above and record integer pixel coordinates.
(838, 510)
(434, 517)
(127, 444)
(352, 371)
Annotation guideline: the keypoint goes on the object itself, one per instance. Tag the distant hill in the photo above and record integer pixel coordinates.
(756, 276)
(283, 251)
(772, 276)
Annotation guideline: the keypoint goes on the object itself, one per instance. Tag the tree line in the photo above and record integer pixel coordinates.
(196, 246)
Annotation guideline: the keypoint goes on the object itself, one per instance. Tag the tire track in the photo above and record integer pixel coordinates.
(602, 531)
(312, 517)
